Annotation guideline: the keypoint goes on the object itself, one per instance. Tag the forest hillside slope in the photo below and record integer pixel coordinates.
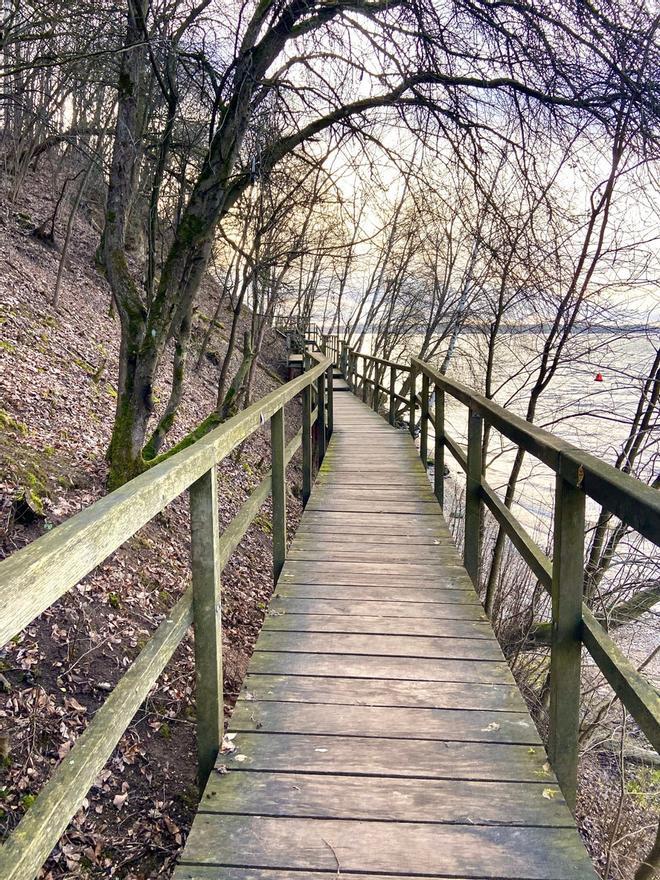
(58, 374)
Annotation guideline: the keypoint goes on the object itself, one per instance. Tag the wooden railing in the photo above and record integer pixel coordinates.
(39, 574)
(578, 475)
(328, 343)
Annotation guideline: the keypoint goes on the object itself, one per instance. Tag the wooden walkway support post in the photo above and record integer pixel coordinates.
(320, 418)
(392, 401)
(378, 380)
(330, 402)
(207, 616)
(567, 590)
(278, 477)
(424, 425)
(307, 452)
(472, 542)
(412, 405)
(439, 450)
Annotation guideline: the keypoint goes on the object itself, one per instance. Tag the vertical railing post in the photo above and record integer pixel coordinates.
(344, 360)
(565, 658)
(472, 542)
(320, 418)
(278, 477)
(330, 396)
(424, 432)
(365, 382)
(378, 378)
(307, 452)
(207, 615)
(412, 404)
(439, 450)
(392, 402)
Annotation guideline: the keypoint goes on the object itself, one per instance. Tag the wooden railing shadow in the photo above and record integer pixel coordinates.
(578, 475)
(39, 574)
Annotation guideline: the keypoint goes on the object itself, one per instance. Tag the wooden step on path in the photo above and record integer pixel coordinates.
(379, 733)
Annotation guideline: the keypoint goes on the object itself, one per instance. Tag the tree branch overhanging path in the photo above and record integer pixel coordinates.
(436, 74)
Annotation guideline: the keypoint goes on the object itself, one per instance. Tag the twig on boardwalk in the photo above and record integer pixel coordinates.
(332, 850)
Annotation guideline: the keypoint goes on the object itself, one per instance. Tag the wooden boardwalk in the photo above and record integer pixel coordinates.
(379, 733)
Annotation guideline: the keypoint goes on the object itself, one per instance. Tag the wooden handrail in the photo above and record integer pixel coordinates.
(578, 475)
(629, 499)
(34, 577)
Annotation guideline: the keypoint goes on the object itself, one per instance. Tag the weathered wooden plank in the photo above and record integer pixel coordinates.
(329, 536)
(359, 481)
(390, 568)
(372, 530)
(278, 482)
(418, 592)
(378, 530)
(350, 475)
(397, 610)
(307, 450)
(207, 612)
(416, 758)
(362, 666)
(565, 657)
(427, 801)
(362, 462)
(438, 417)
(377, 492)
(473, 503)
(367, 505)
(377, 625)
(374, 553)
(425, 647)
(204, 872)
(436, 851)
(438, 724)
(382, 692)
(448, 578)
(368, 520)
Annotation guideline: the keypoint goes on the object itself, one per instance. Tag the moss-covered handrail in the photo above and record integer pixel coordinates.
(578, 475)
(37, 575)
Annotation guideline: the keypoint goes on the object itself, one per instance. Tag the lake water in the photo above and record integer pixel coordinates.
(590, 414)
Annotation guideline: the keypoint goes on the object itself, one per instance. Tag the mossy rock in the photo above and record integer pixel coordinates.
(27, 506)
(36, 474)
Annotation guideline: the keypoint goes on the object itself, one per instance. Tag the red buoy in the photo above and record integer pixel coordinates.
(599, 377)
